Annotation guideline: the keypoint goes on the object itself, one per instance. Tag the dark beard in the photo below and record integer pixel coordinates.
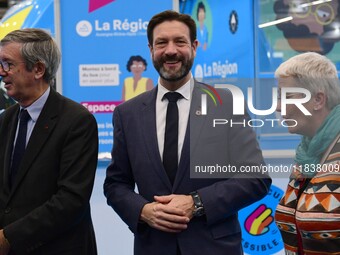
(185, 69)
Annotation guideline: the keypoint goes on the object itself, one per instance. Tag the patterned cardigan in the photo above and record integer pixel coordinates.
(308, 215)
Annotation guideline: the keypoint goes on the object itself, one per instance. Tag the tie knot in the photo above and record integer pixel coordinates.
(24, 116)
(173, 96)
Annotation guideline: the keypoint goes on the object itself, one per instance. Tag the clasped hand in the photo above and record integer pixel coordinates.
(170, 213)
(4, 246)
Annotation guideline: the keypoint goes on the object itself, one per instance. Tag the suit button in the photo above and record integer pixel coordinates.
(8, 210)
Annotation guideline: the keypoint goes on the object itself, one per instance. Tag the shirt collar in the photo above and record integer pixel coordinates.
(185, 90)
(34, 109)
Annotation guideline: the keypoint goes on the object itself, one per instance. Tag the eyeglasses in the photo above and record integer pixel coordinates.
(137, 66)
(324, 12)
(6, 67)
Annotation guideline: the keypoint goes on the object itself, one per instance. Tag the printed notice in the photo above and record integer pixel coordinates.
(99, 75)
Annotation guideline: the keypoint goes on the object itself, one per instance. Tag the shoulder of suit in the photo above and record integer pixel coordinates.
(9, 112)
(217, 91)
(137, 100)
(8, 115)
(66, 103)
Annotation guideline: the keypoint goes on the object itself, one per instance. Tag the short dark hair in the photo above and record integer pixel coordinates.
(200, 6)
(171, 16)
(135, 58)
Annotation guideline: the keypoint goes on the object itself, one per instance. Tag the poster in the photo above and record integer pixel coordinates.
(104, 47)
(283, 29)
(221, 29)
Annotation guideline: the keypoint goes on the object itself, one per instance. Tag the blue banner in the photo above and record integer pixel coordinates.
(226, 42)
(105, 49)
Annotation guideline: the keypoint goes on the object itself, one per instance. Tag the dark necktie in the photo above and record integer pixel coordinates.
(170, 153)
(20, 144)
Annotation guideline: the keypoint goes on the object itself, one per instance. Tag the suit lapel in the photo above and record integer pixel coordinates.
(42, 129)
(196, 123)
(12, 126)
(149, 131)
(194, 128)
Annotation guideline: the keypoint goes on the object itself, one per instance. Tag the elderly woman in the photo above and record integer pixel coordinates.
(308, 215)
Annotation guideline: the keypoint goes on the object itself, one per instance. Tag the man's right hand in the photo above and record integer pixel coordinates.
(164, 217)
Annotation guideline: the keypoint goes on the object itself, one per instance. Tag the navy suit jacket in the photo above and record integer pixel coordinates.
(47, 210)
(136, 161)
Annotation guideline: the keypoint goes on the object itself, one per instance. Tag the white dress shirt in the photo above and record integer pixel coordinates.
(183, 114)
(34, 111)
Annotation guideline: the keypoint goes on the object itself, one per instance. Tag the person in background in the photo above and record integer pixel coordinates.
(135, 85)
(172, 213)
(202, 31)
(308, 215)
(48, 155)
(5, 100)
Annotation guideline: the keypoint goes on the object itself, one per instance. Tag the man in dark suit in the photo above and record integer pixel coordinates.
(44, 196)
(173, 213)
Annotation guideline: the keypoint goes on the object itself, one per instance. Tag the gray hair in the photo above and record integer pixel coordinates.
(37, 46)
(314, 72)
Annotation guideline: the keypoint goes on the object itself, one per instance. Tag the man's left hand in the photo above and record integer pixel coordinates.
(184, 202)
